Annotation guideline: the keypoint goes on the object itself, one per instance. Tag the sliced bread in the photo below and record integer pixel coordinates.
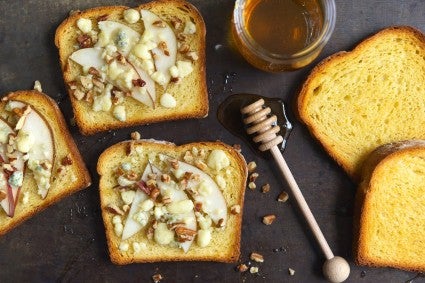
(125, 67)
(352, 102)
(40, 161)
(390, 205)
(162, 202)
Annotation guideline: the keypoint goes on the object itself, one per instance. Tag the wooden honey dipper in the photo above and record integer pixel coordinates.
(261, 123)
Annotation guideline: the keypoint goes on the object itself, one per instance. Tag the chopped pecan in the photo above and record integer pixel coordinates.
(131, 175)
(221, 223)
(67, 160)
(157, 278)
(130, 148)
(72, 85)
(97, 82)
(185, 234)
(138, 82)
(283, 196)
(86, 81)
(154, 193)
(176, 22)
(265, 188)
(93, 71)
(201, 165)
(256, 257)
(242, 267)
(166, 200)
(114, 209)
(102, 18)
(84, 41)
(135, 136)
(235, 209)
(163, 46)
(237, 147)
(174, 226)
(192, 55)
(165, 178)
(269, 219)
(181, 37)
(174, 163)
(184, 47)
(89, 96)
(159, 24)
(253, 177)
(198, 206)
(174, 80)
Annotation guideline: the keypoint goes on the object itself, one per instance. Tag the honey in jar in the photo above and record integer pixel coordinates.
(282, 35)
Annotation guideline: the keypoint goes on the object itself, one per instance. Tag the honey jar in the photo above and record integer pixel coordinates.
(282, 35)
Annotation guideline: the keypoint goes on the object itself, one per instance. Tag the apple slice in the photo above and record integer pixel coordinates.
(214, 203)
(122, 36)
(163, 60)
(40, 146)
(132, 226)
(12, 192)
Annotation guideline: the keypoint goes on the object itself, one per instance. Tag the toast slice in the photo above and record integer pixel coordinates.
(125, 67)
(162, 202)
(390, 206)
(353, 102)
(40, 161)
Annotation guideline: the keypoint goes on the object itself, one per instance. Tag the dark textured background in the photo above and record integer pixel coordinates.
(66, 242)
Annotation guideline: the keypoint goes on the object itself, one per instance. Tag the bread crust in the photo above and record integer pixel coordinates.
(156, 252)
(373, 169)
(325, 66)
(49, 111)
(195, 104)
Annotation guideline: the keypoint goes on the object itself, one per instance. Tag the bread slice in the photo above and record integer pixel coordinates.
(390, 206)
(69, 173)
(352, 102)
(189, 92)
(211, 204)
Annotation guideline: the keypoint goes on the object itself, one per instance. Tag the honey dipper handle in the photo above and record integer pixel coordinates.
(277, 155)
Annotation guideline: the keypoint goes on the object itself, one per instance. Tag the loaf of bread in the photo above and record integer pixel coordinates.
(40, 161)
(391, 207)
(162, 202)
(352, 102)
(125, 67)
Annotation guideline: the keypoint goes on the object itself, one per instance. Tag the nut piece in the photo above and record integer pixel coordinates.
(291, 271)
(252, 166)
(66, 160)
(114, 209)
(135, 135)
(253, 269)
(283, 196)
(157, 278)
(253, 177)
(3, 195)
(185, 234)
(201, 165)
(252, 185)
(265, 188)
(235, 209)
(256, 257)
(269, 219)
(242, 267)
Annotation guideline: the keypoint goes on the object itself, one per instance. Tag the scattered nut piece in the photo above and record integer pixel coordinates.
(237, 147)
(174, 163)
(235, 209)
(78, 94)
(269, 219)
(221, 223)
(252, 166)
(165, 178)
(184, 48)
(265, 188)
(157, 278)
(125, 208)
(188, 157)
(283, 196)
(253, 269)
(114, 209)
(66, 160)
(242, 267)
(253, 177)
(252, 185)
(185, 234)
(193, 56)
(135, 135)
(37, 86)
(256, 257)
(291, 271)
(176, 22)
(201, 165)
(159, 24)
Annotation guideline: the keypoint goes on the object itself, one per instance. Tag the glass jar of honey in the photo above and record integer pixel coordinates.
(282, 35)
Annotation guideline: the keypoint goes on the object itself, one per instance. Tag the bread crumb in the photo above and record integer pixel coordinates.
(291, 271)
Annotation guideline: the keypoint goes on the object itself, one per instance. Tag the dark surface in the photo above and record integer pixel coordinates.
(66, 242)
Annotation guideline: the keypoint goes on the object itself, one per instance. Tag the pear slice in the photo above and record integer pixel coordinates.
(39, 146)
(12, 192)
(163, 61)
(214, 203)
(132, 226)
(92, 57)
(122, 36)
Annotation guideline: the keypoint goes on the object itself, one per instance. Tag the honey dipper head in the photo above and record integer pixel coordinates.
(259, 121)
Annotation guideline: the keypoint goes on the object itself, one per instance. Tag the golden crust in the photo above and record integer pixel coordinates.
(64, 144)
(327, 65)
(192, 89)
(235, 194)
